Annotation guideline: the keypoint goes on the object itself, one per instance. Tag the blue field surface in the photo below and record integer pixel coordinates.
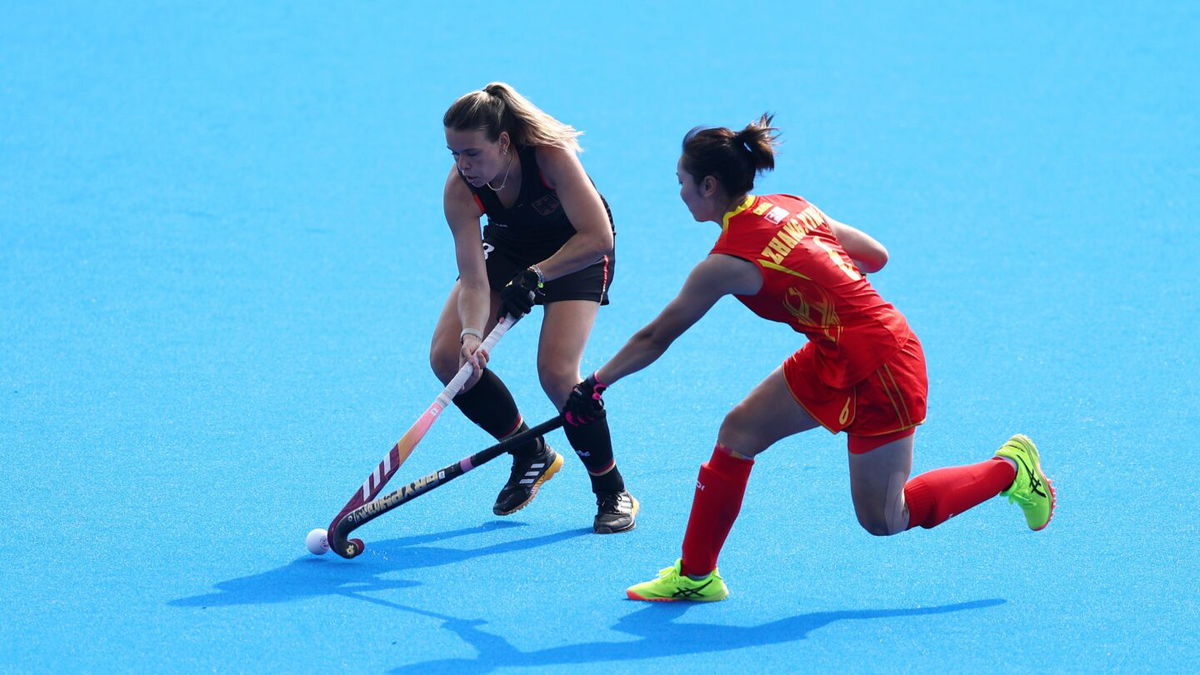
(222, 254)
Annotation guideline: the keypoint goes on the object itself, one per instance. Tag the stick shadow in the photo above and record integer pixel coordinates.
(309, 576)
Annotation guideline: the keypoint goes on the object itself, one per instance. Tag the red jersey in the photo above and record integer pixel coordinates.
(811, 284)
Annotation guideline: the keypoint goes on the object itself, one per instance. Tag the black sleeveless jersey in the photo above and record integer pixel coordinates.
(536, 225)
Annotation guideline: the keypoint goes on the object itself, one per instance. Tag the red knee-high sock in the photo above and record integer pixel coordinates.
(938, 495)
(718, 499)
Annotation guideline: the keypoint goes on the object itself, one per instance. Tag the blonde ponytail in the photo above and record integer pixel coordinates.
(498, 107)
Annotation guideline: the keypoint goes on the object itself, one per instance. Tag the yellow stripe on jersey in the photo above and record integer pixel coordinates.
(780, 268)
(738, 209)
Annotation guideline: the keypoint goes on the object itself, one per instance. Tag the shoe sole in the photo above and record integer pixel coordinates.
(554, 467)
(637, 506)
(634, 596)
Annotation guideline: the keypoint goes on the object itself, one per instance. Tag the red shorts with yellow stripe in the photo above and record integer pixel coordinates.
(890, 401)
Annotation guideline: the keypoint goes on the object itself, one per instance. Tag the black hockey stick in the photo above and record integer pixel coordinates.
(364, 514)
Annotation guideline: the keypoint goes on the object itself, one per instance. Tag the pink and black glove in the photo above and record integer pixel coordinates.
(586, 402)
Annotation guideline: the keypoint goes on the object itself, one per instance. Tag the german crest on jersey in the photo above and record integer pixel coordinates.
(546, 205)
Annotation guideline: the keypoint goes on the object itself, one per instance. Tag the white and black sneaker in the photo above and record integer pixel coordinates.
(528, 474)
(615, 512)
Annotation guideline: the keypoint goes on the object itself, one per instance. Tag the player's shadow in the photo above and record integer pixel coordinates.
(659, 636)
(310, 576)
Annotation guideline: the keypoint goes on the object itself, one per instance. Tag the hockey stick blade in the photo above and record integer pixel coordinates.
(364, 514)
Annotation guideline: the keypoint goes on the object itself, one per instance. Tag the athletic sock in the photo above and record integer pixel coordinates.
(941, 494)
(593, 444)
(719, 492)
(490, 405)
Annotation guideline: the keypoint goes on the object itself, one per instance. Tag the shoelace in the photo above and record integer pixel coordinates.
(610, 503)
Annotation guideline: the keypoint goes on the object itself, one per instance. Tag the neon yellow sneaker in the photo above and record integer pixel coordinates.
(1031, 489)
(672, 585)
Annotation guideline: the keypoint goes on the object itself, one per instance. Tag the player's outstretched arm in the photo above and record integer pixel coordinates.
(715, 276)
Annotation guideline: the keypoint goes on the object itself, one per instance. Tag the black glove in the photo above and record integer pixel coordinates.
(519, 296)
(586, 402)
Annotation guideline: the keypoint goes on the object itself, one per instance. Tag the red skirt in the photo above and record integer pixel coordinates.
(890, 400)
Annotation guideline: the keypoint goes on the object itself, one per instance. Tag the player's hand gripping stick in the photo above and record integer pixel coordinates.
(519, 296)
(586, 402)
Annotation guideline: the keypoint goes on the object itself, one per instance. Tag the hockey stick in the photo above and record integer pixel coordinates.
(365, 513)
(404, 447)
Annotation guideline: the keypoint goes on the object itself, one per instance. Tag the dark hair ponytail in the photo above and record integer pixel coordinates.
(734, 158)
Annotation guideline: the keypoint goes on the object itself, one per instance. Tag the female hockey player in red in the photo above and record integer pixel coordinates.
(862, 370)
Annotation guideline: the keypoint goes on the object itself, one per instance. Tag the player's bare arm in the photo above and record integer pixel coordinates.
(864, 250)
(594, 238)
(474, 298)
(714, 277)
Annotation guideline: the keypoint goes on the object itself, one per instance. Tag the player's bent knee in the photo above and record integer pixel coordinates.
(558, 384)
(876, 524)
(738, 426)
(741, 437)
(444, 363)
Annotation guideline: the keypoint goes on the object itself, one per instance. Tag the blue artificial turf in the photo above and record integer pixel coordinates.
(222, 254)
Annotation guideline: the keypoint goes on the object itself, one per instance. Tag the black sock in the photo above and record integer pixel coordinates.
(490, 405)
(593, 445)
